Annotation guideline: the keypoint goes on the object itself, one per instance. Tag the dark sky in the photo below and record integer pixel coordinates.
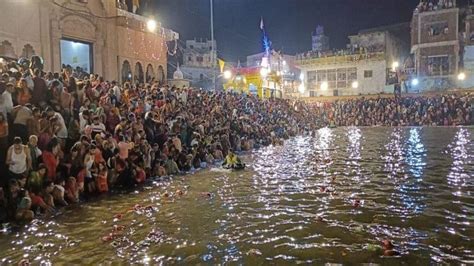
(289, 23)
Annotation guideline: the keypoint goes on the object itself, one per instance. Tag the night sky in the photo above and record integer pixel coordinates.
(289, 23)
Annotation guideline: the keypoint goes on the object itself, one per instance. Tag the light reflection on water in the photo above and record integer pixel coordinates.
(330, 197)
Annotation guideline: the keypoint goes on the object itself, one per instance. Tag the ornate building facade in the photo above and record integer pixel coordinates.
(95, 36)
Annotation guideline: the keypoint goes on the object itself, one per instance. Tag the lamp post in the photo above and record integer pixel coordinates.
(213, 52)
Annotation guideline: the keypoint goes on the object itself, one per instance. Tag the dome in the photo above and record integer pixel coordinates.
(178, 74)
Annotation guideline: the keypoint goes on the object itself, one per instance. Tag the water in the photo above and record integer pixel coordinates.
(332, 197)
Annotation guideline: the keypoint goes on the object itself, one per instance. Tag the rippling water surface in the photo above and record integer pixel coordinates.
(331, 197)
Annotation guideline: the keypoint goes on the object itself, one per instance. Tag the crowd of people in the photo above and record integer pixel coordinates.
(433, 5)
(436, 110)
(355, 52)
(64, 140)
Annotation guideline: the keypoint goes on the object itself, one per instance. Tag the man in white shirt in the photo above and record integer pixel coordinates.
(62, 133)
(117, 92)
(6, 103)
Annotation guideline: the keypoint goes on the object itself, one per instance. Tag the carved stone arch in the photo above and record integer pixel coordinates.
(150, 73)
(138, 73)
(126, 71)
(160, 76)
(7, 50)
(78, 26)
(28, 51)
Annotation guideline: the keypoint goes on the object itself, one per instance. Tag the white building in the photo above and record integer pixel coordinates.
(362, 68)
(199, 64)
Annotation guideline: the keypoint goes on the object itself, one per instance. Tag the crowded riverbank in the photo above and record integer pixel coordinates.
(67, 139)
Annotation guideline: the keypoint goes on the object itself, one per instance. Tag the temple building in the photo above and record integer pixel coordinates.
(284, 67)
(362, 68)
(89, 36)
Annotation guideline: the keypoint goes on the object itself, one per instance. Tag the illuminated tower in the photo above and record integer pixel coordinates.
(320, 41)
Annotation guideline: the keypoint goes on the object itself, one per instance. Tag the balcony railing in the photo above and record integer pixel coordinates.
(338, 59)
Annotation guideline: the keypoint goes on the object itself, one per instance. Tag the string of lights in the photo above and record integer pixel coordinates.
(150, 46)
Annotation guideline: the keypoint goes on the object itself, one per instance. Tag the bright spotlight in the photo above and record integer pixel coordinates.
(151, 25)
(461, 76)
(395, 65)
(264, 72)
(227, 74)
(415, 82)
(284, 63)
(302, 76)
(355, 84)
(324, 85)
(301, 88)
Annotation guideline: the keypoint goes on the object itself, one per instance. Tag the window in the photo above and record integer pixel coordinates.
(199, 59)
(341, 78)
(368, 73)
(321, 75)
(313, 94)
(438, 65)
(352, 74)
(438, 28)
(190, 58)
(311, 76)
(191, 46)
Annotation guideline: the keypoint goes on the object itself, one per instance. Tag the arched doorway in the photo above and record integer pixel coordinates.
(126, 71)
(28, 51)
(138, 73)
(160, 77)
(150, 73)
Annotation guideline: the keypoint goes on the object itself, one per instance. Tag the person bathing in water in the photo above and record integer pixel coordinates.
(232, 161)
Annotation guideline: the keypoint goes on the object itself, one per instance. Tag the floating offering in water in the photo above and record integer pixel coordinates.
(24, 262)
(107, 238)
(118, 228)
(254, 252)
(206, 194)
(320, 219)
(179, 192)
(118, 216)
